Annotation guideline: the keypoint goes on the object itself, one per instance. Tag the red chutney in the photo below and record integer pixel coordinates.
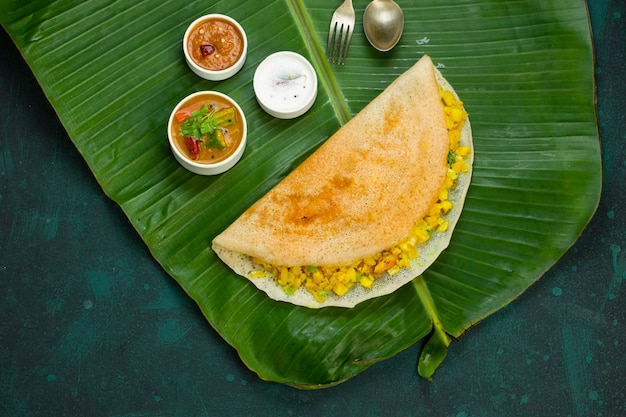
(232, 133)
(215, 44)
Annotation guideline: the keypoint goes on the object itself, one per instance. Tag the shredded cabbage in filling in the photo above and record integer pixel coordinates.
(321, 281)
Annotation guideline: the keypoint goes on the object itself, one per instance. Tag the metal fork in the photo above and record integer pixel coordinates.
(341, 27)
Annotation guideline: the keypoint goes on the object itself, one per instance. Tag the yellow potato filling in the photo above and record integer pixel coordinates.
(321, 281)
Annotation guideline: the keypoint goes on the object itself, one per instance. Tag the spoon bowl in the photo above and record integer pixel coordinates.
(383, 22)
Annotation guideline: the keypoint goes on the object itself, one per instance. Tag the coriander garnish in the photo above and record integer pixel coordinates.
(204, 125)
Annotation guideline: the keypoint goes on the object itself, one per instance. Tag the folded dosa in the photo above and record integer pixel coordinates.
(361, 192)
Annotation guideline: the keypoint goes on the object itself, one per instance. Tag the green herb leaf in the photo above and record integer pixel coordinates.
(204, 123)
(451, 157)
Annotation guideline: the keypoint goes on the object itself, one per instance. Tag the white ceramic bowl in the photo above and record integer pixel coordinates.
(207, 168)
(285, 85)
(215, 75)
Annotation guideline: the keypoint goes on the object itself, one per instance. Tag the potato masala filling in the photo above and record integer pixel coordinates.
(321, 281)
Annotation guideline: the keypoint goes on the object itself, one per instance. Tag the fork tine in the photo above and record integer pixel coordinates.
(335, 41)
(338, 42)
(342, 43)
(331, 48)
(340, 32)
(346, 36)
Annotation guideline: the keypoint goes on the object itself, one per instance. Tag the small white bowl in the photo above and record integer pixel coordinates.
(285, 85)
(208, 168)
(215, 75)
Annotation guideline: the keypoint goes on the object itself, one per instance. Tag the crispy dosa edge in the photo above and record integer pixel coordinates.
(229, 247)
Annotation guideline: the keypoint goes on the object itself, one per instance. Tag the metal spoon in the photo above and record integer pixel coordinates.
(383, 23)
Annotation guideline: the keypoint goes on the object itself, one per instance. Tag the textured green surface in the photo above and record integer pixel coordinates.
(524, 71)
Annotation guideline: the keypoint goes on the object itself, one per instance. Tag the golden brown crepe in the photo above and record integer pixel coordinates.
(361, 192)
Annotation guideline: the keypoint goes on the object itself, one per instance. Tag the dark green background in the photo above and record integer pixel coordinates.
(90, 325)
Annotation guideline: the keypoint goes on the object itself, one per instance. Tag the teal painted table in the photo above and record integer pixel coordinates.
(90, 325)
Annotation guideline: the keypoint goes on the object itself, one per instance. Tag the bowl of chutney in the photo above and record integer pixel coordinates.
(215, 46)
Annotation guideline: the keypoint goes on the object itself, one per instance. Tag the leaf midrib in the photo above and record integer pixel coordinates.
(326, 76)
(329, 83)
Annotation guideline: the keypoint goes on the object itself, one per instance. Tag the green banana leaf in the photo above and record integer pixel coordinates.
(524, 69)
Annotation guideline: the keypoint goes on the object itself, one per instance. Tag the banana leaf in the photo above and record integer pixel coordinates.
(113, 71)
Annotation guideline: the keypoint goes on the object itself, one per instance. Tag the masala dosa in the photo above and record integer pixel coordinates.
(359, 193)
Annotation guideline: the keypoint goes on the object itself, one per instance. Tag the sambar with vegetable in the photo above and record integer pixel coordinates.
(207, 128)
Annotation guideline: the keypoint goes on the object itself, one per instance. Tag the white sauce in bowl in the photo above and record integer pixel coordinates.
(285, 85)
